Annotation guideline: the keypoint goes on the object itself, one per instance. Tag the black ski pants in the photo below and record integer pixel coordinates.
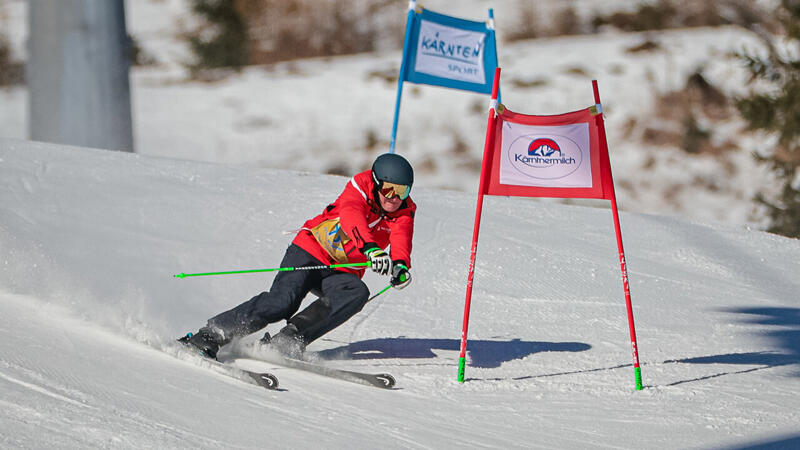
(341, 296)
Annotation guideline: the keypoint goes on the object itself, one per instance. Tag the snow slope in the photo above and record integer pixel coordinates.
(89, 309)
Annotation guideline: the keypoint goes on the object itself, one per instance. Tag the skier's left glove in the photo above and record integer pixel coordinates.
(401, 277)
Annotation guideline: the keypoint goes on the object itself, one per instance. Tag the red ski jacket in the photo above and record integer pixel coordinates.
(339, 234)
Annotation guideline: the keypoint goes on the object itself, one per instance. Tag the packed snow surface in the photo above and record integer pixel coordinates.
(90, 309)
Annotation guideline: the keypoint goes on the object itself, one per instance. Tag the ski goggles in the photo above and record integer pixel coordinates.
(390, 190)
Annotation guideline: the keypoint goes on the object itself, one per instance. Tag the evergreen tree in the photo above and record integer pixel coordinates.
(777, 111)
(223, 41)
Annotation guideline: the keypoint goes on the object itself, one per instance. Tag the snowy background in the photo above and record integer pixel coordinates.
(334, 115)
(90, 240)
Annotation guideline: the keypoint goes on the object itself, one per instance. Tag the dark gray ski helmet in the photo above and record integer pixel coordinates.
(393, 168)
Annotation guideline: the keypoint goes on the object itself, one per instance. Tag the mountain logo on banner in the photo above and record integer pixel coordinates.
(543, 147)
(546, 158)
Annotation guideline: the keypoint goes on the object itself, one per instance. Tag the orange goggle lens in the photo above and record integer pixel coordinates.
(390, 190)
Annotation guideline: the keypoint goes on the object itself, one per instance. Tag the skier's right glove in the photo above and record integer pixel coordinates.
(378, 258)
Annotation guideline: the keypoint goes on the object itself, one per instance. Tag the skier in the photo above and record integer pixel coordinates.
(374, 211)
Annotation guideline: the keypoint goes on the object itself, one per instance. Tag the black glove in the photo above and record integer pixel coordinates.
(401, 277)
(380, 261)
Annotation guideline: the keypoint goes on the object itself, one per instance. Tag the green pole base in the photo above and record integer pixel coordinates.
(637, 371)
(462, 362)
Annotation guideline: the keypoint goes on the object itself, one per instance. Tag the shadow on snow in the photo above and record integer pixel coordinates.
(785, 442)
(483, 354)
(782, 331)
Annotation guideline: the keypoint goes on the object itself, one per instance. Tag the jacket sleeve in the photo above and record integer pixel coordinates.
(400, 238)
(354, 211)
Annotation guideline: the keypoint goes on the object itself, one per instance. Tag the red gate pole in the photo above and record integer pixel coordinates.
(623, 266)
(490, 126)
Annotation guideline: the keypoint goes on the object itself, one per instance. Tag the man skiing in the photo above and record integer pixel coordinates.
(374, 211)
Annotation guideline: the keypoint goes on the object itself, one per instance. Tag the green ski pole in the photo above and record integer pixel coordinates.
(379, 293)
(275, 269)
(384, 290)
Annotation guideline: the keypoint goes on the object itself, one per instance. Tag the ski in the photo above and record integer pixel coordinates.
(380, 380)
(263, 379)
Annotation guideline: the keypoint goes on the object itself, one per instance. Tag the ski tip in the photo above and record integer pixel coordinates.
(267, 380)
(180, 275)
(387, 380)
